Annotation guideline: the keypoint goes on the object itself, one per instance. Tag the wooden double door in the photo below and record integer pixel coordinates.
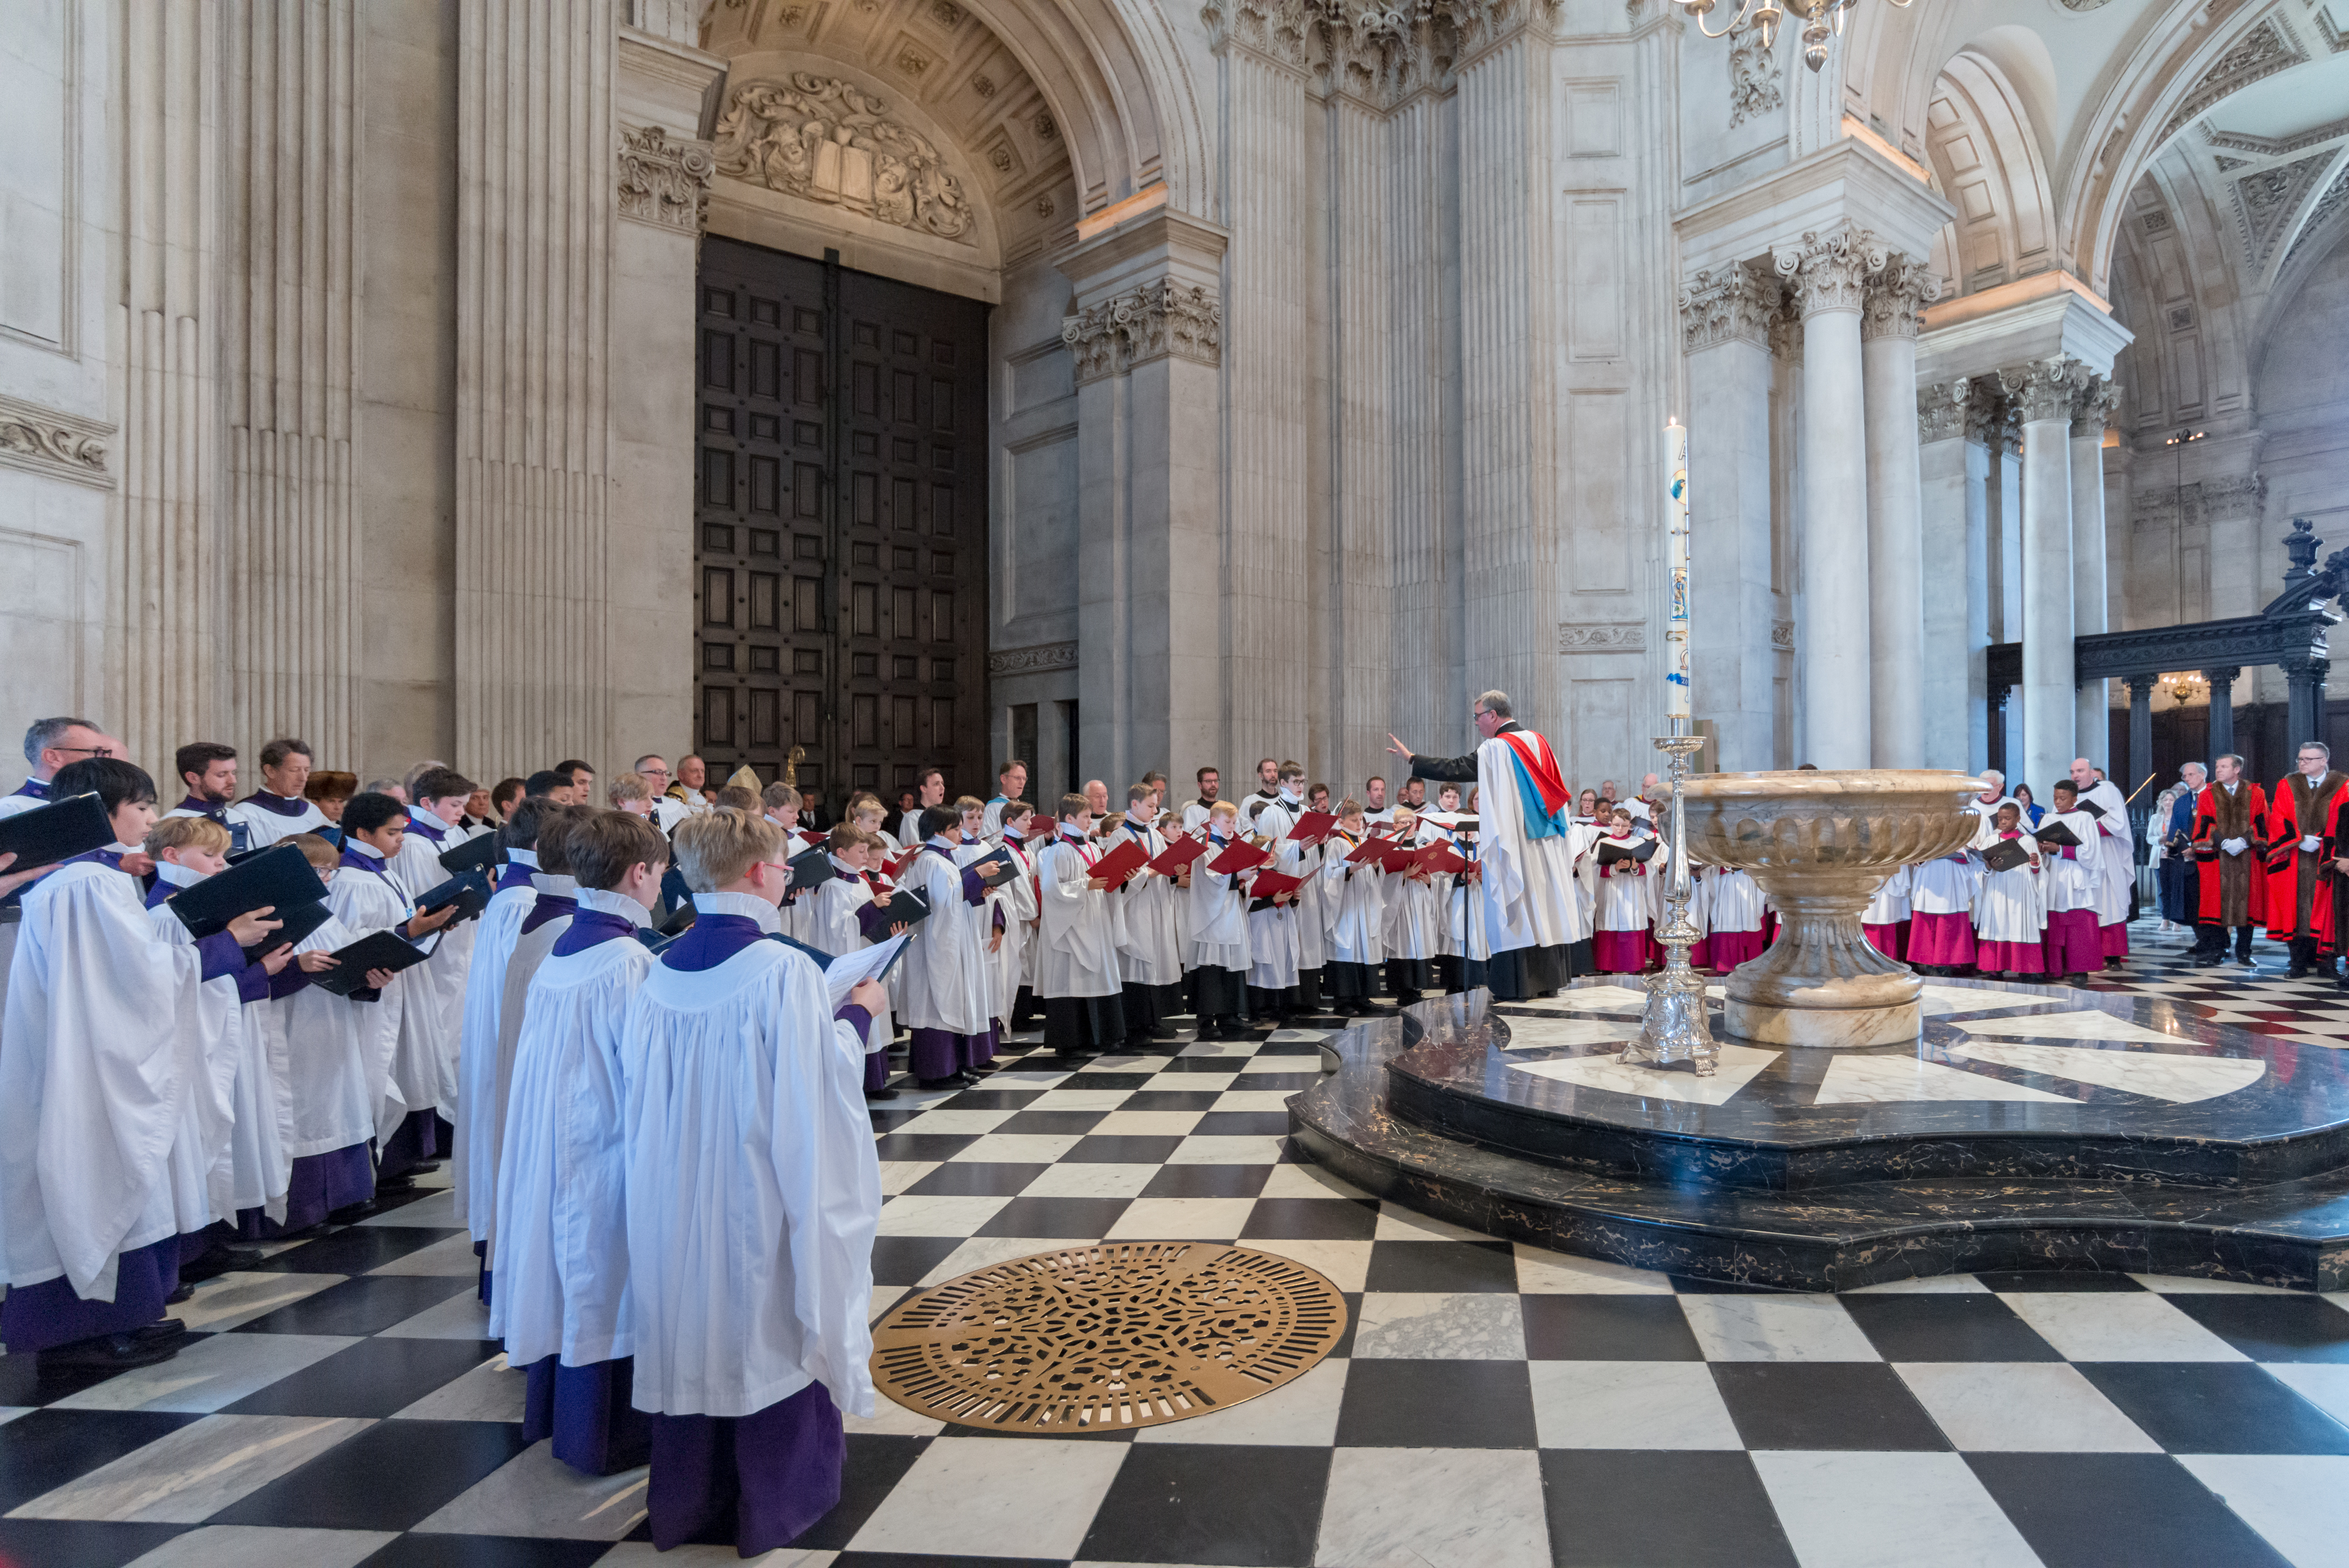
(840, 530)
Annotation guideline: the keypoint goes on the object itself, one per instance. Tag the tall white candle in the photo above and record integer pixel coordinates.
(1676, 613)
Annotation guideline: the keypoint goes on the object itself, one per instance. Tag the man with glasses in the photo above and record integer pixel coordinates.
(2302, 826)
(50, 744)
(667, 810)
(1529, 844)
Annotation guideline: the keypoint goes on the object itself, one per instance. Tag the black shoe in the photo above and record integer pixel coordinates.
(2206, 960)
(425, 1168)
(951, 1081)
(352, 1213)
(2075, 980)
(184, 1294)
(983, 1067)
(2297, 972)
(219, 1260)
(108, 1351)
(384, 1184)
(884, 1093)
(161, 1332)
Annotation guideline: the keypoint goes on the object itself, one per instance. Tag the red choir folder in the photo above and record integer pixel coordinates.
(1180, 853)
(1370, 852)
(1240, 855)
(1272, 884)
(1313, 827)
(1397, 855)
(1120, 863)
(1441, 861)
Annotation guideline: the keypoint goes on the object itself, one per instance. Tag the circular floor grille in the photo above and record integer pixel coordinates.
(1101, 1338)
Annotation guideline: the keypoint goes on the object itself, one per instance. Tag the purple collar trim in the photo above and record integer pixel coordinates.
(547, 906)
(709, 941)
(277, 804)
(588, 929)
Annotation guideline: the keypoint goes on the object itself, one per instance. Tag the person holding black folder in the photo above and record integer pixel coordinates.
(2011, 907)
(436, 800)
(1015, 897)
(98, 1073)
(408, 1023)
(2070, 848)
(948, 1010)
(1626, 902)
(559, 1249)
(832, 927)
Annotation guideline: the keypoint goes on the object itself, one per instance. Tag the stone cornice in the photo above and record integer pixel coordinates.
(1042, 657)
(1377, 54)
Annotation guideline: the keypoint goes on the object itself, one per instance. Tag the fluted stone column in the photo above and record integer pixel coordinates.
(1725, 333)
(1895, 580)
(1828, 273)
(1358, 645)
(1949, 473)
(2222, 681)
(1427, 656)
(2044, 389)
(2090, 409)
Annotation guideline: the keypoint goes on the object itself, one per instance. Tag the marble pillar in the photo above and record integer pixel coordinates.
(1356, 702)
(2091, 409)
(1509, 289)
(1895, 580)
(1266, 69)
(2044, 389)
(535, 192)
(1725, 333)
(1826, 274)
(2304, 687)
(2221, 682)
(1953, 680)
(2141, 688)
(1427, 656)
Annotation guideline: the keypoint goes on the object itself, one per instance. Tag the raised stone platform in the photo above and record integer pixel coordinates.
(2031, 1127)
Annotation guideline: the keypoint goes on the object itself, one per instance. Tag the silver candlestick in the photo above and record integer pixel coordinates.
(1673, 1032)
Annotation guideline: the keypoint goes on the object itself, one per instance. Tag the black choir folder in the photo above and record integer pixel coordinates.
(2056, 833)
(905, 908)
(57, 831)
(995, 867)
(1611, 853)
(384, 950)
(278, 878)
(470, 893)
(811, 868)
(479, 853)
(2005, 854)
(298, 922)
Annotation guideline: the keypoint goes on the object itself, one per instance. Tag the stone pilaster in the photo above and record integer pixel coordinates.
(1952, 473)
(2044, 391)
(1725, 317)
(1359, 652)
(2091, 409)
(1896, 296)
(1427, 657)
(1826, 275)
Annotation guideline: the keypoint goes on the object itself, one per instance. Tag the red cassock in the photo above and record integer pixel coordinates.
(2208, 834)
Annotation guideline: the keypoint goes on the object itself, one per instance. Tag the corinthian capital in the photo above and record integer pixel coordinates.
(1896, 298)
(2092, 411)
(1940, 412)
(1829, 271)
(1727, 304)
(1155, 320)
(2044, 389)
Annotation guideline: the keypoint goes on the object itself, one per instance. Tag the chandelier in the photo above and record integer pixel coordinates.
(2183, 685)
(1822, 19)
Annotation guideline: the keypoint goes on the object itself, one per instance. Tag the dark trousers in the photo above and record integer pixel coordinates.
(2211, 938)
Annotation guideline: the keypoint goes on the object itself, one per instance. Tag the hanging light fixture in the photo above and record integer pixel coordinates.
(1822, 19)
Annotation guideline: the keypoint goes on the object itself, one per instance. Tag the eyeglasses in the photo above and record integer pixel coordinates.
(84, 751)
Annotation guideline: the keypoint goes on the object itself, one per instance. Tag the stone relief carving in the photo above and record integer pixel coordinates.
(1389, 46)
(2260, 53)
(1028, 661)
(1990, 416)
(1782, 636)
(2044, 389)
(1149, 321)
(1896, 298)
(2266, 203)
(2092, 409)
(1601, 636)
(1941, 410)
(1727, 304)
(61, 446)
(1753, 76)
(822, 140)
(2326, 205)
(665, 181)
(1829, 271)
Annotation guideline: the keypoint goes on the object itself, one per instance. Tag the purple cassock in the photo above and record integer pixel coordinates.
(777, 1470)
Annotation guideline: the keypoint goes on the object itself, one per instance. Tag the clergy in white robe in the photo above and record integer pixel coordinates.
(279, 809)
(1219, 933)
(947, 997)
(367, 899)
(482, 1065)
(559, 1246)
(1529, 847)
(1078, 971)
(1355, 898)
(2116, 857)
(753, 1193)
(1150, 960)
(101, 1050)
(2074, 884)
(436, 802)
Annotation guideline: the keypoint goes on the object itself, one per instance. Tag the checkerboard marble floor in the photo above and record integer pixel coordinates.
(1490, 1405)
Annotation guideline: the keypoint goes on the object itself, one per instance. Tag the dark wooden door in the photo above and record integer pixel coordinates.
(841, 531)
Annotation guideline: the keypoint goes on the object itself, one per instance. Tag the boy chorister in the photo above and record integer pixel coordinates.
(1150, 960)
(550, 916)
(322, 1040)
(96, 1078)
(1219, 933)
(1733, 911)
(436, 802)
(2073, 885)
(1626, 904)
(1077, 966)
(753, 1193)
(559, 1248)
(1354, 897)
(946, 996)
(1273, 994)
(1308, 919)
(1412, 915)
(367, 900)
(1009, 963)
(480, 1069)
(2011, 907)
(832, 927)
(1885, 919)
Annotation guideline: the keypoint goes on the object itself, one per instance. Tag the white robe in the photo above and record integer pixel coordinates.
(100, 1050)
(1291, 859)
(480, 1071)
(2011, 906)
(1355, 897)
(559, 1247)
(367, 901)
(753, 1190)
(1413, 913)
(1889, 907)
(1219, 928)
(1006, 965)
(833, 928)
(2115, 852)
(418, 869)
(2074, 883)
(263, 828)
(1527, 883)
(1627, 891)
(947, 985)
(320, 1040)
(1152, 952)
(1734, 902)
(1084, 926)
(256, 1169)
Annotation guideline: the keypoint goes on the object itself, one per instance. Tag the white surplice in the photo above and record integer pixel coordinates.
(100, 1050)
(1355, 898)
(320, 1042)
(1084, 926)
(1291, 859)
(367, 900)
(1016, 900)
(263, 827)
(1219, 930)
(2075, 881)
(1890, 906)
(948, 985)
(1152, 953)
(753, 1189)
(1734, 900)
(833, 928)
(2011, 906)
(258, 1168)
(418, 869)
(559, 1242)
(481, 1068)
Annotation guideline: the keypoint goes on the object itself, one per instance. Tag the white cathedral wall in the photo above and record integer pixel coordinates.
(2301, 395)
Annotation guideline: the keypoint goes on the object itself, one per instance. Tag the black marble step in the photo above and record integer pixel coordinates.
(2292, 1234)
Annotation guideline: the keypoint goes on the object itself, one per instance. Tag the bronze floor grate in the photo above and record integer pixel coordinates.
(1107, 1337)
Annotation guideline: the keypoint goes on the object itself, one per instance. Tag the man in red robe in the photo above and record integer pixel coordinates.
(2230, 820)
(2300, 893)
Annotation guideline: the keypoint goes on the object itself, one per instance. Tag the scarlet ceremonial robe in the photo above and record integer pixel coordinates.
(2305, 811)
(2233, 887)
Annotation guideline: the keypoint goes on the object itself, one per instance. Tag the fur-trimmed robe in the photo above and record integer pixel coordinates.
(2312, 810)
(2233, 887)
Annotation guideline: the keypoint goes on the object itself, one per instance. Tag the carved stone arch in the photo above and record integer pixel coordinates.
(1985, 154)
(2173, 283)
(2321, 234)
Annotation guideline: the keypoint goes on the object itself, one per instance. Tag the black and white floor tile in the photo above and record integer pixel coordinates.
(1490, 1406)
